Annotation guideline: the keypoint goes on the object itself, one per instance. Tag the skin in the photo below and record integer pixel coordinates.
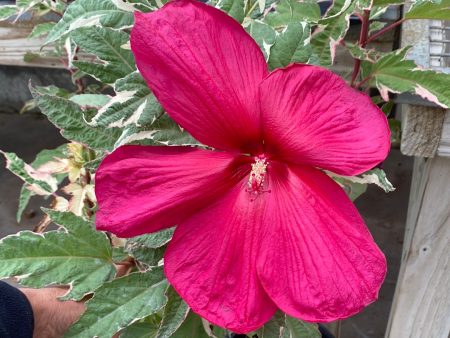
(52, 317)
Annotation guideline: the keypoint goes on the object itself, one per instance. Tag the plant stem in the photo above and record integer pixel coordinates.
(362, 43)
(252, 8)
(384, 30)
(363, 81)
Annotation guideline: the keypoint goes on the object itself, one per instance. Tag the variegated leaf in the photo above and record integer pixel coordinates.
(331, 31)
(263, 34)
(393, 73)
(69, 117)
(429, 9)
(289, 11)
(40, 183)
(115, 62)
(175, 313)
(291, 45)
(85, 13)
(119, 303)
(74, 255)
(134, 104)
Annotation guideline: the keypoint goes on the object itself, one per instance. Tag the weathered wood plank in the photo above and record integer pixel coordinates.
(421, 130)
(444, 144)
(15, 44)
(16, 49)
(422, 127)
(421, 306)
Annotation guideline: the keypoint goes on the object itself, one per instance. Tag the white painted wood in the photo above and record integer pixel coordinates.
(421, 306)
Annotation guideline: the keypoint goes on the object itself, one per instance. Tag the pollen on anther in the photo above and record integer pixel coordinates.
(257, 175)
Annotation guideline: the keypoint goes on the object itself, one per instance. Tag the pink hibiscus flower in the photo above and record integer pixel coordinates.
(259, 226)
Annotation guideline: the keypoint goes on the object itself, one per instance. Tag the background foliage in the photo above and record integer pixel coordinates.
(92, 37)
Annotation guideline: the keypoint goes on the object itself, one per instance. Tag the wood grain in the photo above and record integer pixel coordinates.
(421, 306)
(421, 130)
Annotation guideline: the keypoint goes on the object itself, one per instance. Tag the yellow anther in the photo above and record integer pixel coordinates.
(257, 175)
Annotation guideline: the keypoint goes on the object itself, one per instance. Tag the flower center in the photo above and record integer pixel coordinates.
(257, 177)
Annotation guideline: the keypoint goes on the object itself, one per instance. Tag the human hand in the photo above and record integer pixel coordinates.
(52, 317)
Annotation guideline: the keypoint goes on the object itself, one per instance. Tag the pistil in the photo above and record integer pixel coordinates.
(257, 176)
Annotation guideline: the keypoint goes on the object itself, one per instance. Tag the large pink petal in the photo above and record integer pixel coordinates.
(211, 262)
(318, 261)
(145, 189)
(311, 116)
(204, 69)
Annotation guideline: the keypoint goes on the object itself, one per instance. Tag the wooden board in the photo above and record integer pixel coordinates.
(444, 143)
(421, 130)
(421, 306)
(16, 49)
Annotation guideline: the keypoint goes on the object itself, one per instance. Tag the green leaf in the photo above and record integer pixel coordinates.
(429, 9)
(145, 328)
(388, 2)
(378, 177)
(283, 326)
(136, 135)
(363, 5)
(353, 189)
(50, 161)
(68, 116)
(26, 4)
(51, 90)
(191, 327)
(396, 132)
(119, 303)
(147, 5)
(40, 183)
(94, 164)
(288, 11)
(234, 8)
(90, 100)
(7, 11)
(175, 313)
(167, 132)
(362, 53)
(43, 157)
(375, 176)
(134, 104)
(24, 199)
(156, 239)
(376, 13)
(84, 13)
(291, 45)
(76, 255)
(275, 327)
(41, 29)
(48, 155)
(376, 26)
(105, 44)
(300, 329)
(386, 108)
(393, 73)
(163, 131)
(149, 249)
(263, 34)
(119, 254)
(98, 71)
(331, 31)
(220, 332)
